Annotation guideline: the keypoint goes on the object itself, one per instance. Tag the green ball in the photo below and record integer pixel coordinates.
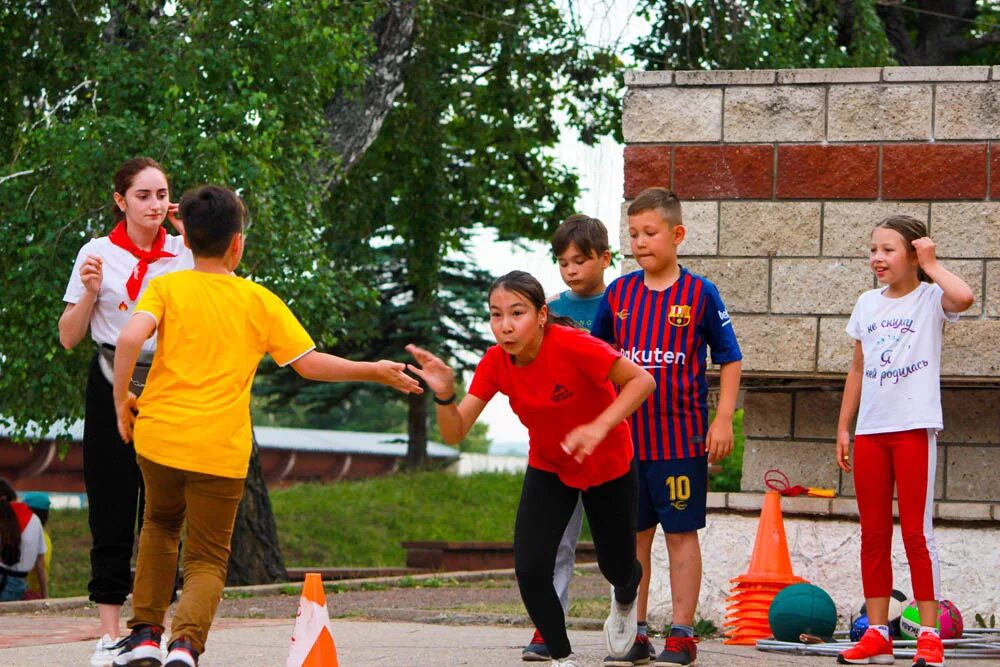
(909, 622)
(802, 609)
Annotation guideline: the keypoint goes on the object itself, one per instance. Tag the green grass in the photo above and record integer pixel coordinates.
(362, 523)
(732, 466)
(344, 524)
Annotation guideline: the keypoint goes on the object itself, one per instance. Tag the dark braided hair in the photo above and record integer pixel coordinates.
(10, 530)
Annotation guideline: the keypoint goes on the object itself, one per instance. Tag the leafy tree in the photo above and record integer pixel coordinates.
(275, 99)
(761, 34)
(467, 146)
(943, 32)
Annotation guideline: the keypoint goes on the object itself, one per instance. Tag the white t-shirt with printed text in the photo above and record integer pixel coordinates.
(113, 308)
(901, 341)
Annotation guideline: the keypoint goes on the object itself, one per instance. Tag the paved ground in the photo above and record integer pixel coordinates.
(425, 626)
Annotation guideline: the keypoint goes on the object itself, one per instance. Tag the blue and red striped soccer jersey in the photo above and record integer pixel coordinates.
(667, 332)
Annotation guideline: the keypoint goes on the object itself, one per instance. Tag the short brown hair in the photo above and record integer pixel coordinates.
(212, 216)
(587, 233)
(658, 199)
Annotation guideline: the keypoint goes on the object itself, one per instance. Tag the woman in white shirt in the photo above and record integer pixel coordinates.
(108, 278)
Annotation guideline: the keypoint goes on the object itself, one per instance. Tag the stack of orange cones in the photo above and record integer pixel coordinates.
(770, 571)
(312, 640)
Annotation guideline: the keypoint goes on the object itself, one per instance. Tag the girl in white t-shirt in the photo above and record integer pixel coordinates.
(893, 386)
(110, 274)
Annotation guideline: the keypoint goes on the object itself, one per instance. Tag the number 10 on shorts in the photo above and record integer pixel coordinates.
(679, 486)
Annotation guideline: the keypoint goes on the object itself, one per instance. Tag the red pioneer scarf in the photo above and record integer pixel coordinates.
(120, 238)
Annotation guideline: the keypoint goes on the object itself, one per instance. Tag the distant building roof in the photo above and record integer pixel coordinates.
(276, 437)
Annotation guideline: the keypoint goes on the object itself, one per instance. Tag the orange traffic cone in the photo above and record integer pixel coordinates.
(312, 640)
(770, 570)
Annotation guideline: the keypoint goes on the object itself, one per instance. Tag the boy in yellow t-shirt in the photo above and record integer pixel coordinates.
(192, 433)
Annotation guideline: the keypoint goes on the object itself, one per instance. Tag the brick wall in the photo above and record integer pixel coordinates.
(783, 174)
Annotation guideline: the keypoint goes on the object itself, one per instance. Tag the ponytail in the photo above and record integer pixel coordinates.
(10, 530)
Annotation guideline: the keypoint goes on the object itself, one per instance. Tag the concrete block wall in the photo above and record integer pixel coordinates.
(782, 175)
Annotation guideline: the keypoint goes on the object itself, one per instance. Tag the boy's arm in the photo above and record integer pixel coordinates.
(849, 407)
(324, 367)
(719, 439)
(129, 344)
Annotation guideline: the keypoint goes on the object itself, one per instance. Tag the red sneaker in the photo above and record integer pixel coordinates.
(871, 649)
(930, 651)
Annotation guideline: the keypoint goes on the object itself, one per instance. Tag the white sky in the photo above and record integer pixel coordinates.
(600, 169)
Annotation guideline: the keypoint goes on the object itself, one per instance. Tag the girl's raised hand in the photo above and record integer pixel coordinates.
(92, 273)
(926, 251)
(174, 220)
(393, 374)
(438, 376)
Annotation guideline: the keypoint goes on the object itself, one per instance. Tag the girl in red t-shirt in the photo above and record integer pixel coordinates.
(560, 383)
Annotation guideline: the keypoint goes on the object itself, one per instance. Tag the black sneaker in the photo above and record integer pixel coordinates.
(641, 653)
(536, 650)
(141, 648)
(677, 652)
(181, 654)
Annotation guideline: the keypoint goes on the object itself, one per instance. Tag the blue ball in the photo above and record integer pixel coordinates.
(859, 627)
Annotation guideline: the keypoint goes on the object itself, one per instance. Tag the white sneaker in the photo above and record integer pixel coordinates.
(104, 652)
(619, 629)
(568, 661)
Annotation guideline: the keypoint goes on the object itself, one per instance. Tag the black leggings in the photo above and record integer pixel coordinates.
(114, 494)
(545, 508)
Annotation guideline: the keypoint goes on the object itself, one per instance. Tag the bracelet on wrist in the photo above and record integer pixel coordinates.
(445, 401)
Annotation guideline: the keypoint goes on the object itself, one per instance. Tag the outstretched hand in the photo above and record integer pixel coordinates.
(393, 374)
(437, 374)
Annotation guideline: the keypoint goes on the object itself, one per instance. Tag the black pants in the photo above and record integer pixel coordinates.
(114, 494)
(545, 508)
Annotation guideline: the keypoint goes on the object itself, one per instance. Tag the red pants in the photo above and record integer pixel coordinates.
(906, 460)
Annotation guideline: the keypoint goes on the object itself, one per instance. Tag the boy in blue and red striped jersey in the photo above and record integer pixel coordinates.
(663, 317)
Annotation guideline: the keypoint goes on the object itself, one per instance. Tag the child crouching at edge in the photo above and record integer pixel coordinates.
(192, 433)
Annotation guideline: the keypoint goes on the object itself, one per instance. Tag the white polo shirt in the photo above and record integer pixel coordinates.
(113, 307)
(32, 546)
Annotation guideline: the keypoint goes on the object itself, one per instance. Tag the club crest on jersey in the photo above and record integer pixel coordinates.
(622, 314)
(679, 314)
(123, 306)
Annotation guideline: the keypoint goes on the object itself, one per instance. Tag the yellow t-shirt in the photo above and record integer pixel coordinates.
(212, 330)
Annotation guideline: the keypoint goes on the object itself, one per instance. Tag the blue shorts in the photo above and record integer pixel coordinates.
(673, 494)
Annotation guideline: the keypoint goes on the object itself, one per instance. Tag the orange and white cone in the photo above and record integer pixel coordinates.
(312, 640)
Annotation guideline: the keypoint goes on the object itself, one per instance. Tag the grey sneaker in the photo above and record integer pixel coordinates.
(619, 629)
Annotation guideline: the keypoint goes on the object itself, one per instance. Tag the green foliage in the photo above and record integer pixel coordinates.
(732, 466)
(216, 91)
(704, 628)
(468, 145)
(762, 34)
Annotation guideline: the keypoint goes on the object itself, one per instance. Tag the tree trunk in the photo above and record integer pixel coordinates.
(256, 555)
(416, 429)
(353, 124)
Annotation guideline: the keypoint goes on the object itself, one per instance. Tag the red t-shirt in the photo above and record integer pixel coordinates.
(563, 387)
